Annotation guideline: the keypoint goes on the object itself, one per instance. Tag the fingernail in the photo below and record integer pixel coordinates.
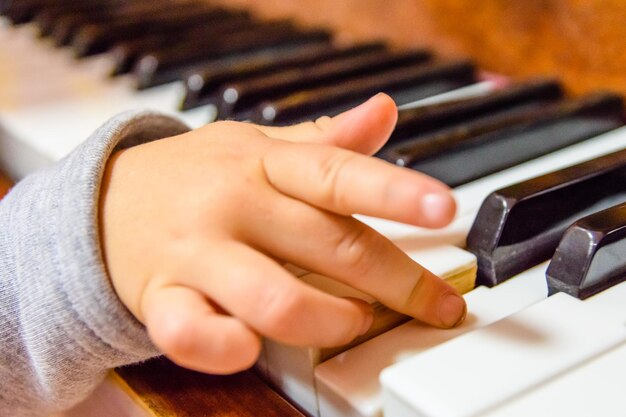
(437, 209)
(367, 323)
(452, 310)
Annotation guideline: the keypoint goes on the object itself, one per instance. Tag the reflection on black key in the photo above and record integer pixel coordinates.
(203, 86)
(425, 119)
(168, 65)
(126, 54)
(468, 152)
(240, 97)
(591, 256)
(404, 85)
(519, 226)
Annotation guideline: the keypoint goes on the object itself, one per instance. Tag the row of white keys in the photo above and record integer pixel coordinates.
(291, 369)
(594, 388)
(52, 101)
(509, 363)
(347, 385)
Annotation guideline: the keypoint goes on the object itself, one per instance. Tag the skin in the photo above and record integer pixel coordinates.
(196, 229)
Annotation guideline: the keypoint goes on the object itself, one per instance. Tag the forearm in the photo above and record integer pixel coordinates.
(62, 323)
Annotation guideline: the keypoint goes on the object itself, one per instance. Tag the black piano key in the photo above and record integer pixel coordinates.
(66, 27)
(23, 11)
(437, 116)
(168, 65)
(126, 54)
(468, 152)
(97, 38)
(99, 11)
(241, 97)
(404, 85)
(203, 86)
(590, 257)
(48, 16)
(519, 226)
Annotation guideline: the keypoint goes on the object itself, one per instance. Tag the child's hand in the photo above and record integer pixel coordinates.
(195, 229)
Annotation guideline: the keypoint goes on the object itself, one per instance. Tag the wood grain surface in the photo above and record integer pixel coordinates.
(168, 391)
(583, 42)
(5, 184)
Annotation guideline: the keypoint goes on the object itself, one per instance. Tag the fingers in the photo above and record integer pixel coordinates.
(363, 129)
(347, 183)
(351, 252)
(183, 325)
(258, 291)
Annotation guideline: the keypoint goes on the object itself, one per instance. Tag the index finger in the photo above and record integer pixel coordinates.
(348, 183)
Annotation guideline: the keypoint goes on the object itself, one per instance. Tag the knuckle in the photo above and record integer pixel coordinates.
(357, 248)
(331, 171)
(225, 129)
(175, 337)
(280, 311)
(413, 300)
(235, 352)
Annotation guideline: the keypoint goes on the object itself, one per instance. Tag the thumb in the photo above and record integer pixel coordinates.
(363, 129)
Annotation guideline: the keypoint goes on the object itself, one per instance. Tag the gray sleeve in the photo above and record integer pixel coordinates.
(61, 324)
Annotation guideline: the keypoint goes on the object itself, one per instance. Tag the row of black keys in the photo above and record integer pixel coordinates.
(576, 217)
(302, 75)
(269, 72)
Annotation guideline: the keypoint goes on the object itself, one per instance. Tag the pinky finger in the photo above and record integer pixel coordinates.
(184, 326)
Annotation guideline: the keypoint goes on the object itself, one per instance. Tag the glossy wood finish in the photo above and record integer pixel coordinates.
(581, 42)
(168, 390)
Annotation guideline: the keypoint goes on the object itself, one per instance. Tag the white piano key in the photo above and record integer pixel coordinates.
(347, 385)
(51, 102)
(594, 389)
(53, 130)
(473, 374)
(611, 301)
(473, 90)
(291, 369)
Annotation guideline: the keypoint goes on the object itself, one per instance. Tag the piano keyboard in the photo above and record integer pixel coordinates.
(524, 346)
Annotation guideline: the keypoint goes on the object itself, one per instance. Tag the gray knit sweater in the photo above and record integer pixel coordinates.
(61, 324)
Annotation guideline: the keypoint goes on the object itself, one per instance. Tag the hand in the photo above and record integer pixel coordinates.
(195, 229)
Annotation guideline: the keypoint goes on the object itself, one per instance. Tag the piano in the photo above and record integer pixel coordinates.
(536, 167)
